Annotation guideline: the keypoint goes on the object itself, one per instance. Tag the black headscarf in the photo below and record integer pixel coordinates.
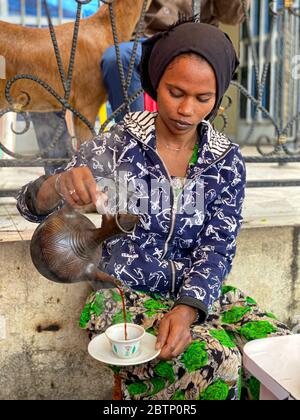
(200, 38)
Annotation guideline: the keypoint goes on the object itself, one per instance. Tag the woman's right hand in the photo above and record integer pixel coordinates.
(77, 186)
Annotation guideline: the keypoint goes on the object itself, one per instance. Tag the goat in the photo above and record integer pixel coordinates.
(30, 51)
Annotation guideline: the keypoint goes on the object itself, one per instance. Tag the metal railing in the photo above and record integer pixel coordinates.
(280, 152)
(271, 88)
(32, 14)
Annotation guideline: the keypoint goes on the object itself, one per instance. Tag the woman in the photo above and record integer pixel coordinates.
(174, 262)
(160, 15)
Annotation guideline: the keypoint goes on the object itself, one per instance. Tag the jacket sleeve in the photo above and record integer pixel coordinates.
(99, 155)
(229, 12)
(216, 247)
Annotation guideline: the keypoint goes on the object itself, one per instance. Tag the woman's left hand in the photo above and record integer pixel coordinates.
(174, 334)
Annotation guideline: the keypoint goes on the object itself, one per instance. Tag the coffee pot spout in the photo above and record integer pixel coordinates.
(102, 280)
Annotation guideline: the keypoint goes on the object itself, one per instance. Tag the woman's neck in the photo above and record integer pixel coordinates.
(174, 141)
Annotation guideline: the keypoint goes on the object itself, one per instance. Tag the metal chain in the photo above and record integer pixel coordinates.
(280, 57)
(120, 109)
(55, 45)
(255, 101)
(286, 66)
(5, 150)
(74, 47)
(249, 32)
(125, 82)
(50, 90)
(281, 131)
(140, 26)
(66, 83)
(260, 83)
(287, 124)
(67, 87)
(118, 54)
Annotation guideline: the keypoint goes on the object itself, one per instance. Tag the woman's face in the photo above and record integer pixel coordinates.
(186, 94)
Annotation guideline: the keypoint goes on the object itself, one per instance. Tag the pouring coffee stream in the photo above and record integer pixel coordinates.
(66, 247)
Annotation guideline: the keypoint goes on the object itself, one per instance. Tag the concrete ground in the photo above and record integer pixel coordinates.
(43, 353)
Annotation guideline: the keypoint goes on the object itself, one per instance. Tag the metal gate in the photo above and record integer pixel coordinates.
(268, 85)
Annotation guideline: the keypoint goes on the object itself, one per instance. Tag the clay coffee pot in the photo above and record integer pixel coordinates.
(66, 247)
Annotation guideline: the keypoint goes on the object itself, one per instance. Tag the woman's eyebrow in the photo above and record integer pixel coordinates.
(207, 94)
(183, 91)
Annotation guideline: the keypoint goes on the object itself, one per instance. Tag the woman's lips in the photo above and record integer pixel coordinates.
(182, 125)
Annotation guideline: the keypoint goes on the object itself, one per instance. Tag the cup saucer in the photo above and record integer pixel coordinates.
(100, 349)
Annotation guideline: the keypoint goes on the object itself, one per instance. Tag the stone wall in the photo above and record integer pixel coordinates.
(266, 267)
(43, 353)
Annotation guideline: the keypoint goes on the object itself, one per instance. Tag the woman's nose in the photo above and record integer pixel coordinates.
(186, 108)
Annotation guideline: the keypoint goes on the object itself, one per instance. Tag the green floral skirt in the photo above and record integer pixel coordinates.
(210, 368)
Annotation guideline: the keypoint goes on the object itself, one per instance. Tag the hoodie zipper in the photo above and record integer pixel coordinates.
(173, 210)
(173, 278)
(173, 220)
(173, 214)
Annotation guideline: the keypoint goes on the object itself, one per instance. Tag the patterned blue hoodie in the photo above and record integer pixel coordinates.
(182, 250)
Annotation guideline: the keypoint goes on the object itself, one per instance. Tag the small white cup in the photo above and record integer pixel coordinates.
(125, 349)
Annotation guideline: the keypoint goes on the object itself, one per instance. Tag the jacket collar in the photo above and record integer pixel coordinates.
(142, 126)
(213, 144)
